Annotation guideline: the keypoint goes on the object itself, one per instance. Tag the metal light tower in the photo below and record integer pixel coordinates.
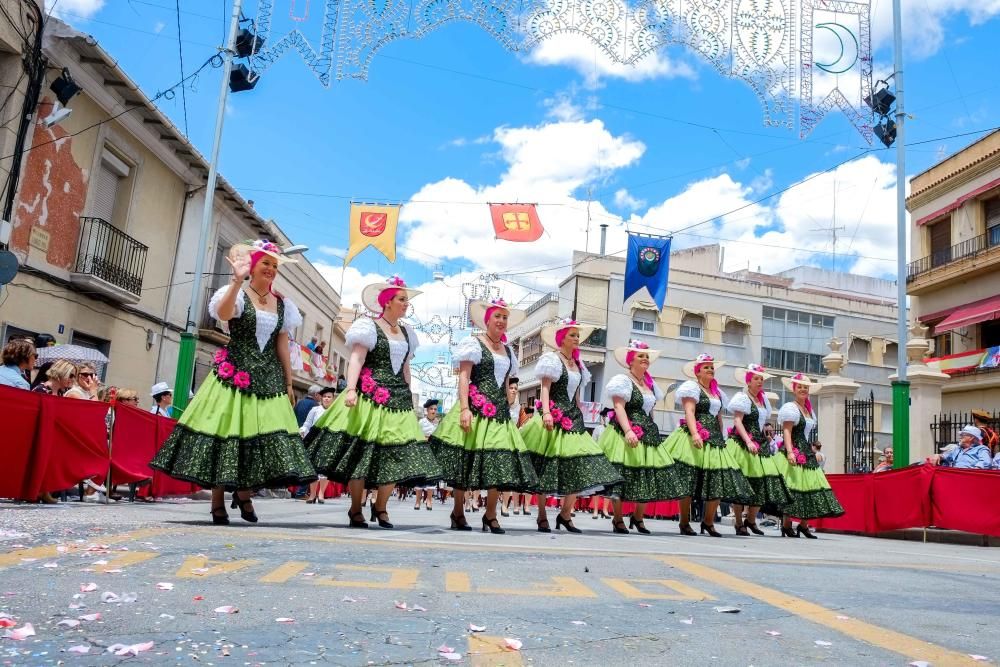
(901, 386)
(185, 359)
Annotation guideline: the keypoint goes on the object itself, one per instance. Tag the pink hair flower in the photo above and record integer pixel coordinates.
(396, 281)
(220, 355)
(489, 410)
(225, 370)
(242, 379)
(637, 430)
(479, 401)
(566, 423)
(556, 414)
(368, 385)
(381, 396)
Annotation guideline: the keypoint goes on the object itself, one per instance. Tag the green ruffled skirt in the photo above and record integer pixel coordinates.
(372, 443)
(766, 479)
(812, 497)
(567, 463)
(236, 440)
(710, 473)
(491, 455)
(648, 471)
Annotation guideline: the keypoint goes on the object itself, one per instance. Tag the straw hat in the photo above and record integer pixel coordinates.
(982, 414)
(621, 353)
(369, 295)
(701, 359)
(799, 378)
(756, 369)
(260, 245)
(549, 331)
(478, 308)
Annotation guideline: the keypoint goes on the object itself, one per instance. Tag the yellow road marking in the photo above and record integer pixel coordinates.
(457, 582)
(884, 638)
(486, 651)
(283, 572)
(681, 591)
(52, 550)
(561, 587)
(126, 559)
(400, 578)
(196, 567)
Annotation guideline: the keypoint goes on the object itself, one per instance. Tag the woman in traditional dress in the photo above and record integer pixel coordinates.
(568, 461)
(812, 497)
(240, 432)
(371, 439)
(632, 439)
(751, 409)
(478, 444)
(699, 447)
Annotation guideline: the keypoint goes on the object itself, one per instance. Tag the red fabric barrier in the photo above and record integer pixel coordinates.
(133, 445)
(71, 444)
(21, 411)
(164, 485)
(856, 495)
(902, 498)
(966, 500)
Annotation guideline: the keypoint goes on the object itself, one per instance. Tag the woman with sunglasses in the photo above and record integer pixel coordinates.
(87, 384)
(61, 376)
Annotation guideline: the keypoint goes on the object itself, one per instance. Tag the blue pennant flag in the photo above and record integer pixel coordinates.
(648, 265)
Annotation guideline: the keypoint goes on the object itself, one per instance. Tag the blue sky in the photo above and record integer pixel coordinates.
(453, 120)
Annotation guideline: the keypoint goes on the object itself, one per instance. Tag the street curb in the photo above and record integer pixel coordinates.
(928, 535)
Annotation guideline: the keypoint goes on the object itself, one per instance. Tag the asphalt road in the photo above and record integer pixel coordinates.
(161, 573)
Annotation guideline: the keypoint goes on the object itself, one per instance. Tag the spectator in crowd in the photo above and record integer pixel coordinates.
(885, 464)
(87, 383)
(129, 397)
(981, 419)
(44, 340)
(58, 379)
(428, 423)
(970, 452)
(305, 404)
(326, 395)
(320, 349)
(820, 457)
(514, 400)
(163, 399)
(341, 383)
(312, 344)
(18, 356)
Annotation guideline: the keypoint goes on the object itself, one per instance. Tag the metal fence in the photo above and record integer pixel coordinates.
(947, 425)
(111, 255)
(968, 248)
(859, 435)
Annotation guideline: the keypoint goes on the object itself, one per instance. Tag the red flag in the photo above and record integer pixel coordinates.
(516, 222)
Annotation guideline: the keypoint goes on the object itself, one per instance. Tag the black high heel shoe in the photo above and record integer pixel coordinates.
(250, 516)
(752, 527)
(374, 513)
(804, 532)
(311, 501)
(705, 528)
(742, 531)
(525, 511)
(220, 519)
(357, 519)
(640, 526)
(459, 523)
(618, 526)
(567, 524)
(686, 529)
(603, 515)
(493, 526)
(543, 526)
(382, 523)
(236, 503)
(788, 532)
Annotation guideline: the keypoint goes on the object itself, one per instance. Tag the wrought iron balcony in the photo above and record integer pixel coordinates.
(966, 249)
(109, 260)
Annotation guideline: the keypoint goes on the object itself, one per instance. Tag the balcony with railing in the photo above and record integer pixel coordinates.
(551, 297)
(950, 264)
(109, 261)
(209, 328)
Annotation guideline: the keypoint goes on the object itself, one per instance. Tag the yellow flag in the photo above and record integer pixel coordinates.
(373, 225)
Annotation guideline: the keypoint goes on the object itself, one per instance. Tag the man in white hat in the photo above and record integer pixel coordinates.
(970, 453)
(163, 399)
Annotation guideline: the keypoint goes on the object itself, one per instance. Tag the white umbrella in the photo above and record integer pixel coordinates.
(76, 354)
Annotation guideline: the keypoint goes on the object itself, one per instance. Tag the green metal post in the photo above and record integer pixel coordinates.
(185, 371)
(900, 424)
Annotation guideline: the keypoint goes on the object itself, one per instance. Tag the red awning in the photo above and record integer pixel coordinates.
(958, 202)
(973, 313)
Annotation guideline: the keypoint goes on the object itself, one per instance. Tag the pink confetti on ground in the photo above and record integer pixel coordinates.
(820, 642)
(88, 588)
(7, 623)
(90, 617)
(645, 605)
(130, 649)
(512, 644)
(444, 648)
(579, 622)
(69, 623)
(451, 656)
(774, 633)
(476, 628)
(400, 605)
(164, 586)
(51, 565)
(20, 634)
(284, 620)
(417, 607)
(79, 648)
(843, 618)
(687, 621)
(978, 658)
(227, 609)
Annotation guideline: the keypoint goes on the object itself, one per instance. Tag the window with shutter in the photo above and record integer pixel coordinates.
(941, 242)
(110, 174)
(992, 210)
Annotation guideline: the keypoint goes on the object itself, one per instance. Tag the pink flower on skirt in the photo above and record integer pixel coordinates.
(242, 379)
(703, 432)
(538, 405)
(473, 390)
(220, 355)
(225, 370)
(368, 385)
(556, 414)
(637, 430)
(479, 400)
(731, 431)
(566, 423)
(366, 372)
(800, 459)
(489, 410)
(381, 396)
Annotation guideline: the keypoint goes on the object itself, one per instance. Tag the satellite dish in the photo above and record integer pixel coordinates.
(8, 266)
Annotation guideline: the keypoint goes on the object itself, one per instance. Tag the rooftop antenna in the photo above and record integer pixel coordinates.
(833, 229)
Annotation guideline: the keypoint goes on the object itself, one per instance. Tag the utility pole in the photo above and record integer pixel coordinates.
(900, 386)
(188, 350)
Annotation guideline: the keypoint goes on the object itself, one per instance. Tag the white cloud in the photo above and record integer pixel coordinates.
(159, 26)
(623, 199)
(73, 8)
(924, 22)
(333, 251)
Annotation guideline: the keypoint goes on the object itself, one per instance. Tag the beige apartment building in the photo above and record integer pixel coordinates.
(954, 278)
(106, 223)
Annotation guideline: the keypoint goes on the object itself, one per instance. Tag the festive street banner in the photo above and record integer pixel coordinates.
(373, 225)
(648, 265)
(516, 222)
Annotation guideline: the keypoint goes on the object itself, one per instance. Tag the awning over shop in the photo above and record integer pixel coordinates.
(958, 202)
(969, 314)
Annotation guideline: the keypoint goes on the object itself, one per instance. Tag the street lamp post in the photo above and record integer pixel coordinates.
(188, 349)
(900, 386)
